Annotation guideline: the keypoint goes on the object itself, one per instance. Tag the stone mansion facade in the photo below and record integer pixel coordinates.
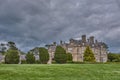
(77, 48)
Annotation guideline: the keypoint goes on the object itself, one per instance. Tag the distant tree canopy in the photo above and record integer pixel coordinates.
(60, 55)
(3, 48)
(12, 54)
(30, 58)
(12, 57)
(112, 57)
(12, 45)
(43, 55)
(88, 55)
(105, 45)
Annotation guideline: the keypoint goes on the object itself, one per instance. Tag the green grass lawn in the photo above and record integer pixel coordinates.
(60, 72)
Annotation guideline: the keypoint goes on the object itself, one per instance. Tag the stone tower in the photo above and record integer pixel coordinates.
(84, 38)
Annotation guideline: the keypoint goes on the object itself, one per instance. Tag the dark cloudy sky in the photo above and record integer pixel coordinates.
(32, 23)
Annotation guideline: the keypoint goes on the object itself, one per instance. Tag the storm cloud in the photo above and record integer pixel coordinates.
(32, 23)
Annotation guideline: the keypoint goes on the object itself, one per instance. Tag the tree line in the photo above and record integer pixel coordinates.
(113, 57)
(12, 55)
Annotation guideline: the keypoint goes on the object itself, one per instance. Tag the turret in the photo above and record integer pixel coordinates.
(84, 38)
(92, 39)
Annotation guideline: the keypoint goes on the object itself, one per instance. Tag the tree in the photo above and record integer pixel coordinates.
(3, 48)
(69, 57)
(89, 55)
(12, 57)
(112, 57)
(12, 45)
(30, 58)
(60, 55)
(43, 55)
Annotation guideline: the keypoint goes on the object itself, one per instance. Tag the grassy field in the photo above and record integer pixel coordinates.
(60, 72)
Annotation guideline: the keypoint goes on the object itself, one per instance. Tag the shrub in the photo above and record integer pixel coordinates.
(60, 55)
(12, 57)
(23, 62)
(89, 55)
(37, 62)
(30, 58)
(43, 55)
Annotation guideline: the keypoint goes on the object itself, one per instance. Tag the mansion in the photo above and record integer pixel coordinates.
(77, 48)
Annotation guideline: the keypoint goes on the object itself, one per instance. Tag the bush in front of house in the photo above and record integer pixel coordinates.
(43, 55)
(12, 57)
(30, 58)
(60, 55)
(89, 55)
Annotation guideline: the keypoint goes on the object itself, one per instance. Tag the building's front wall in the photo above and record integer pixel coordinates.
(2, 58)
(97, 54)
(78, 53)
(104, 56)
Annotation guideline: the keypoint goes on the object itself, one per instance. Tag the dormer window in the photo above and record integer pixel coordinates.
(71, 40)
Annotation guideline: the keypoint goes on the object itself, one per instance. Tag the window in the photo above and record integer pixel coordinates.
(70, 50)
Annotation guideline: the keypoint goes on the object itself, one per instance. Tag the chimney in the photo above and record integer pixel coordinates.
(96, 41)
(54, 43)
(61, 42)
(92, 39)
(84, 38)
(88, 40)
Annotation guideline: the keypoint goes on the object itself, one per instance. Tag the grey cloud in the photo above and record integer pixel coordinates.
(33, 23)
